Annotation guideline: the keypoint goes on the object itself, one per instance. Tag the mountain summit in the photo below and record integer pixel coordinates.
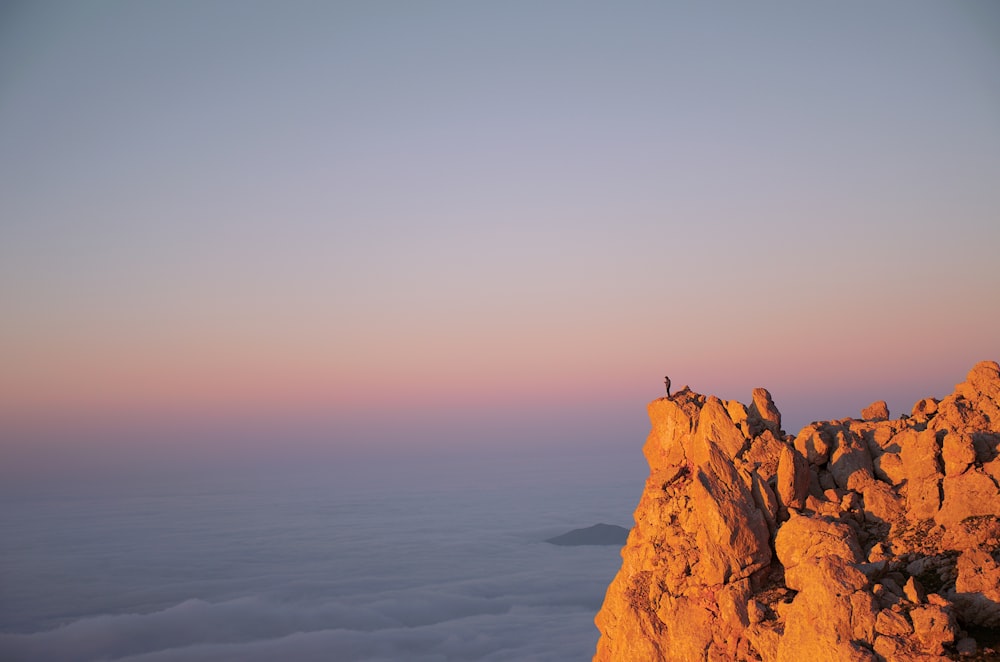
(857, 540)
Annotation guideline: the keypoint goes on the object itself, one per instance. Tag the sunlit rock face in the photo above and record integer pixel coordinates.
(872, 539)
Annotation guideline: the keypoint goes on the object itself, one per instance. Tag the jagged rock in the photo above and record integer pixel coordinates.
(766, 501)
(924, 409)
(977, 588)
(970, 494)
(850, 462)
(933, 627)
(765, 452)
(755, 612)
(957, 452)
(920, 455)
(829, 615)
(763, 409)
(802, 541)
(973, 533)
(903, 649)
(862, 516)
(814, 442)
(889, 468)
(699, 537)
(793, 478)
(881, 503)
(967, 408)
(733, 534)
(892, 623)
(715, 424)
(913, 591)
(876, 411)
(984, 378)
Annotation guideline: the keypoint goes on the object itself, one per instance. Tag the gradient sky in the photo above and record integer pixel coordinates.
(510, 217)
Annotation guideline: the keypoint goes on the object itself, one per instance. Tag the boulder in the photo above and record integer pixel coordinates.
(971, 494)
(762, 408)
(984, 378)
(924, 409)
(934, 627)
(876, 411)
(793, 479)
(850, 461)
(920, 457)
(814, 442)
(977, 588)
(802, 541)
(957, 452)
(892, 623)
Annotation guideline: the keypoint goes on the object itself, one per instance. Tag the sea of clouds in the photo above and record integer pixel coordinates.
(382, 563)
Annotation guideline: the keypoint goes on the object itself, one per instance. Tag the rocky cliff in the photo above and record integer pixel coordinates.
(871, 539)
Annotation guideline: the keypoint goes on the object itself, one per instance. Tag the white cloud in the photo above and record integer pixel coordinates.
(296, 571)
(537, 614)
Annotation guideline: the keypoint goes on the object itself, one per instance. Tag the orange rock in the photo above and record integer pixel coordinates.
(715, 424)
(933, 627)
(985, 379)
(766, 501)
(924, 409)
(892, 623)
(829, 615)
(919, 454)
(868, 500)
(977, 588)
(814, 443)
(876, 411)
(903, 649)
(793, 479)
(763, 453)
(913, 591)
(881, 503)
(958, 452)
(733, 535)
(803, 541)
(850, 461)
(889, 467)
(971, 494)
(762, 408)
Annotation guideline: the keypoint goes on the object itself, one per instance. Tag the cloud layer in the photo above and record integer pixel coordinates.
(307, 570)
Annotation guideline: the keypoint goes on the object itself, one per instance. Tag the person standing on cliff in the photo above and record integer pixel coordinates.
(666, 382)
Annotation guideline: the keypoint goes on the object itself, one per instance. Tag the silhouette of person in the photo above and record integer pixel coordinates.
(666, 382)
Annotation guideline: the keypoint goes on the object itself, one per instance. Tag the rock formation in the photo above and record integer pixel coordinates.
(856, 540)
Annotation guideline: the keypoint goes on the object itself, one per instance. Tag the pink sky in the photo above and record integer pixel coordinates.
(299, 211)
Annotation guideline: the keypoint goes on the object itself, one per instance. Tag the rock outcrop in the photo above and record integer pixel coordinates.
(857, 540)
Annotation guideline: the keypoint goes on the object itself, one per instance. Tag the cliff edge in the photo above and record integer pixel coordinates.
(856, 540)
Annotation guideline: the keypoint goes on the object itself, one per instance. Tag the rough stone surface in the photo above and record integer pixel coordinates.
(933, 627)
(957, 452)
(892, 623)
(762, 407)
(876, 411)
(793, 478)
(867, 540)
(977, 588)
(920, 454)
